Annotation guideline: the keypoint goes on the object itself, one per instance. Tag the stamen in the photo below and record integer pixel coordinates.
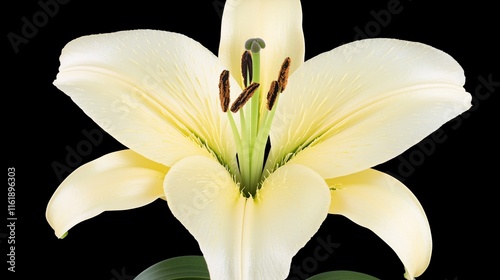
(244, 97)
(284, 72)
(224, 90)
(255, 45)
(247, 68)
(272, 95)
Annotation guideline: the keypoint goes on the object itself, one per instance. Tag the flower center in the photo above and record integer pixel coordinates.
(252, 136)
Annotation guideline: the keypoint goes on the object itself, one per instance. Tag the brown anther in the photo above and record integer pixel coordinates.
(244, 97)
(246, 68)
(284, 72)
(272, 95)
(224, 90)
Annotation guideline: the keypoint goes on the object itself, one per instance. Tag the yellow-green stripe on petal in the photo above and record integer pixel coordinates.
(153, 91)
(364, 103)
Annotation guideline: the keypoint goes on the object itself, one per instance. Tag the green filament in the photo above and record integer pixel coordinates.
(255, 124)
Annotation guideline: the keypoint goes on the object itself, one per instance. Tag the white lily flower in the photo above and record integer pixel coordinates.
(252, 154)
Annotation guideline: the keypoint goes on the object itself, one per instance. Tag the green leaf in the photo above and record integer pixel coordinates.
(179, 268)
(342, 275)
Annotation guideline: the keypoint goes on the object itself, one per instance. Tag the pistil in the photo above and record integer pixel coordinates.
(252, 136)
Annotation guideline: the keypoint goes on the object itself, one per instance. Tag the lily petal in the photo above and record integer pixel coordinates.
(277, 22)
(364, 103)
(117, 181)
(247, 238)
(384, 205)
(156, 92)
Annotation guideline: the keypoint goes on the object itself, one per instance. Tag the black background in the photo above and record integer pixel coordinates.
(454, 179)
